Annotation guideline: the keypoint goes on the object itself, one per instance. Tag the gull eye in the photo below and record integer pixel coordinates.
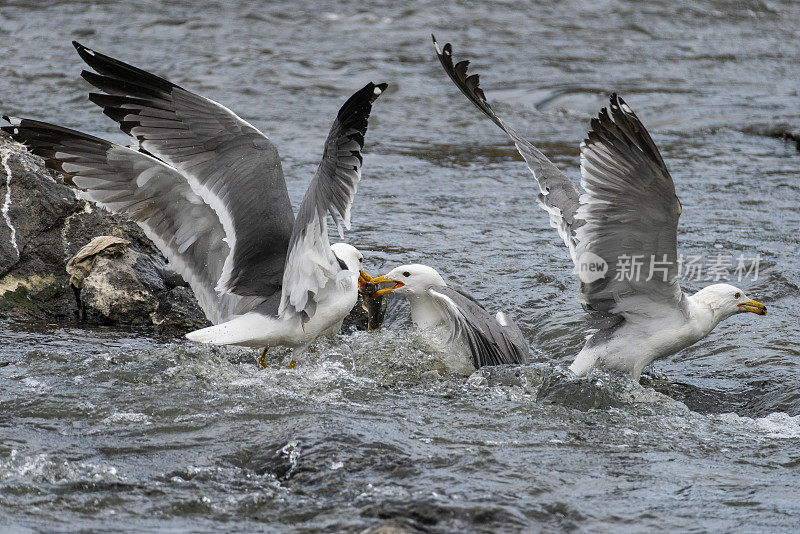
(737, 296)
(360, 260)
(406, 274)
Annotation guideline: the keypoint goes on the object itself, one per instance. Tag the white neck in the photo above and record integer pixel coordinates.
(705, 317)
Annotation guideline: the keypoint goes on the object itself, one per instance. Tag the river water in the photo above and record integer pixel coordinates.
(108, 429)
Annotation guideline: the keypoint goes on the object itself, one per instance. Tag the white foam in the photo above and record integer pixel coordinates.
(42, 468)
(777, 425)
(126, 417)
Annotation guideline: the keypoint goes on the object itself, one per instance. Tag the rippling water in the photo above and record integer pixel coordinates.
(110, 428)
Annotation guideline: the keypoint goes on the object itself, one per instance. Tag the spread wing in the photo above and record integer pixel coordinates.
(310, 262)
(631, 213)
(492, 340)
(185, 229)
(228, 163)
(558, 195)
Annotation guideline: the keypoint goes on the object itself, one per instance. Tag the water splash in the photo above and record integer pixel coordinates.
(4, 155)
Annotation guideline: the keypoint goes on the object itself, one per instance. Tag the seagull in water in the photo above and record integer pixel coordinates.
(208, 189)
(457, 326)
(628, 210)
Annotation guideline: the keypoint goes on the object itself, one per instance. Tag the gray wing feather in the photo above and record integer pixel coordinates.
(310, 262)
(558, 195)
(492, 340)
(232, 166)
(156, 196)
(630, 209)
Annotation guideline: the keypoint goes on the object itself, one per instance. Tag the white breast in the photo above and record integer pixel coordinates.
(434, 337)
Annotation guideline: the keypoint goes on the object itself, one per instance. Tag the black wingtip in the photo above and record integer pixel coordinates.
(86, 54)
(379, 89)
(469, 84)
(375, 90)
(82, 50)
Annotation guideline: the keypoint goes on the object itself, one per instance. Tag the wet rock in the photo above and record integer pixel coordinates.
(43, 223)
(81, 264)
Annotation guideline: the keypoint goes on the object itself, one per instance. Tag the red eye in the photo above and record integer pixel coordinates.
(737, 296)
(406, 273)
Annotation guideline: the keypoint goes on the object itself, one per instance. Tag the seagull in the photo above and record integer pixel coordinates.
(628, 209)
(208, 189)
(459, 328)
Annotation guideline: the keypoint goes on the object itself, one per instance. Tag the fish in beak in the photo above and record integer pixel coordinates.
(364, 278)
(383, 280)
(753, 307)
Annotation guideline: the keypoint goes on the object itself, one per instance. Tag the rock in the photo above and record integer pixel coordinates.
(81, 264)
(43, 223)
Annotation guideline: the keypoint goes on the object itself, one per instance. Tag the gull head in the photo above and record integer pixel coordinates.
(727, 300)
(349, 257)
(409, 280)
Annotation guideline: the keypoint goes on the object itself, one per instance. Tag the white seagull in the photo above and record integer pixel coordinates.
(458, 327)
(208, 189)
(628, 209)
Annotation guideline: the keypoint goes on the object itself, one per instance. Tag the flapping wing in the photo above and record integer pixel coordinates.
(492, 340)
(185, 229)
(232, 166)
(558, 195)
(310, 262)
(631, 213)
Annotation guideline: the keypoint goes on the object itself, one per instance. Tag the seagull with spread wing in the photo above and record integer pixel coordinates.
(457, 326)
(628, 210)
(208, 189)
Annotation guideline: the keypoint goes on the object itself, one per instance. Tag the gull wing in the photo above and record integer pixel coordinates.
(558, 195)
(631, 213)
(310, 262)
(228, 163)
(183, 227)
(492, 340)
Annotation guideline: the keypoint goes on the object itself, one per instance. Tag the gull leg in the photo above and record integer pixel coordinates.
(263, 358)
(296, 352)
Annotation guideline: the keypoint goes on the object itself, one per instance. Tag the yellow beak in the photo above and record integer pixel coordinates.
(753, 307)
(382, 280)
(363, 278)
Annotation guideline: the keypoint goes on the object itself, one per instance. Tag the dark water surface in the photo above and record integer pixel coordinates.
(105, 429)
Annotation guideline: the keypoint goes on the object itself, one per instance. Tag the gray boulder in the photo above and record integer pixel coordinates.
(43, 223)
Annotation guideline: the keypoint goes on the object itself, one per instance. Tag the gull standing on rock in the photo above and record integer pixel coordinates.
(628, 210)
(208, 189)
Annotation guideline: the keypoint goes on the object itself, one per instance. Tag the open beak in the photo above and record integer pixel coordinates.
(754, 307)
(364, 278)
(383, 280)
